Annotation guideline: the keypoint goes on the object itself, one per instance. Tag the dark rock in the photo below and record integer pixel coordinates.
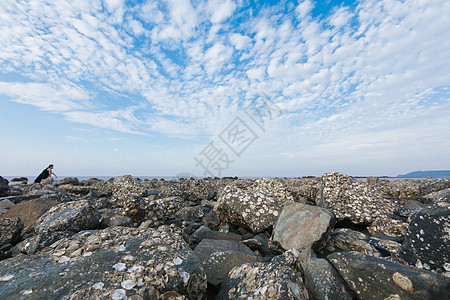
(413, 204)
(270, 280)
(350, 240)
(39, 242)
(264, 248)
(315, 222)
(106, 264)
(206, 233)
(433, 197)
(385, 246)
(10, 229)
(376, 278)
(433, 186)
(407, 212)
(321, 279)
(67, 180)
(75, 189)
(30, 211)
(208, 247)
(252, 243)
(20, 179)
(4, 187)
(72, 216)
(218, 264)
(427, 238)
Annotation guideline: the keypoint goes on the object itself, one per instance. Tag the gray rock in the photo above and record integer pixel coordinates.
(384, 246)
(30, 211)
(321, 279)
(407, 212)
(6, 204)
(427, 238)
(350, 240)
(72, 216)
(254, 211)
(218, 264)
(275, 188)
(10, 229)
(260, 281)
(191, 213)
(208, 247)
(302, 226)
(428, 187)
(206, 233)
(39, 242)
(376, 278)
(75, 189)
(433, 197)
(4, 187)
(107, 263)
(353, 200)
(252, 243)
(126, 185)
(67, 180)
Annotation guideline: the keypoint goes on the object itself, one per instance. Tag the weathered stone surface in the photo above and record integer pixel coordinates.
(321, 279)
(191, 213)
(427, 239)
(384, 246)
(206, 233)
(304, 189)
(302, 226)
(433, 197)
(108, 264)
(353, 200)
(208, 247)
(263, 281)
(349, 240)
(75, 189)
(252, 210)
(67, 180)
(126, 185)
(4, 186)
(71, 216)
(30, 211)
(377, 278)
(10, 229)
(6, 204)
(40, 241)
(388, 226)
(201, 190)
(218, 264)
(275, 188)
(432, 186)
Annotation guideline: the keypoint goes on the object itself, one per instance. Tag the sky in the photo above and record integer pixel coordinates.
(224, 87)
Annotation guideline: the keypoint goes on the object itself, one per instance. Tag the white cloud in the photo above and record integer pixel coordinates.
(220, 10)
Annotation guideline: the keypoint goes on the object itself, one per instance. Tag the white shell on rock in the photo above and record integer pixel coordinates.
(98, 285)
(128, 284)
(120, 266)
(118, 294)
(120, 248)
(6, 278)
(178, 261)
(27, 292)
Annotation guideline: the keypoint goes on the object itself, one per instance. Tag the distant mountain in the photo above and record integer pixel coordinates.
(442, 173)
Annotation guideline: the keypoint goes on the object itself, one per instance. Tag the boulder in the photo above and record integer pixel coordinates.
(126, 185)
(4, 187)
(353, 200)
(302, 226)
(191, 213)
(218, 264)
(5, 205)
(254, 211)
(39, 242)
(349, 240)
(428, 187)
(435, 196)
(75, 189)
(10, 229)
(71, 216)
(114, 263)
(263, 281)
(304, 190)
(206, 233)
(208, 247)
(67, 180)
(427, 239)
(388, 226)
(321, 279)
(376, 278)
(200, 190)
(275, 188)
(30, 211)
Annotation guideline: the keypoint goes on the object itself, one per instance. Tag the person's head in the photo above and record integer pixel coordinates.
(50, 167)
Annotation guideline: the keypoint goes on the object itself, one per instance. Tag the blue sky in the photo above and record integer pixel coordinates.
(153, 87)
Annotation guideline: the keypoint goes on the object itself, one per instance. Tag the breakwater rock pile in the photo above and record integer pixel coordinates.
(330, 237)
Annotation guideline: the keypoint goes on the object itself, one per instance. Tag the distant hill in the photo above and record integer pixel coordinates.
(442, 173)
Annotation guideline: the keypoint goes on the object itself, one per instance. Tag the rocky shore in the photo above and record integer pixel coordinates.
(331, 237)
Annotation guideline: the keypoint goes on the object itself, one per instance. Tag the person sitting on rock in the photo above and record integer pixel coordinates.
(47, 173)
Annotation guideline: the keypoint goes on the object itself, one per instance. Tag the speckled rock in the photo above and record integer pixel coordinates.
(115, 263)
(191, 213)
(304, 189)
(218, 264)
(388, 226)
(315, 224)
(376, 278)
(353, 200)
(5, 205)
(39, 242)
(206, 233)
(30, 211)
(321, 279)
(201, 190)
(427, 239)
(275, 188)
(263, 281)
(433, 197)
(384, 246)
(407, 189)
(10, 229)
(127, 185)
(254, 211)
(4, 186)
(208, 247)
(428, 187)
(350, 240)
(72, 216)
(175, 188)
(75, 189)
